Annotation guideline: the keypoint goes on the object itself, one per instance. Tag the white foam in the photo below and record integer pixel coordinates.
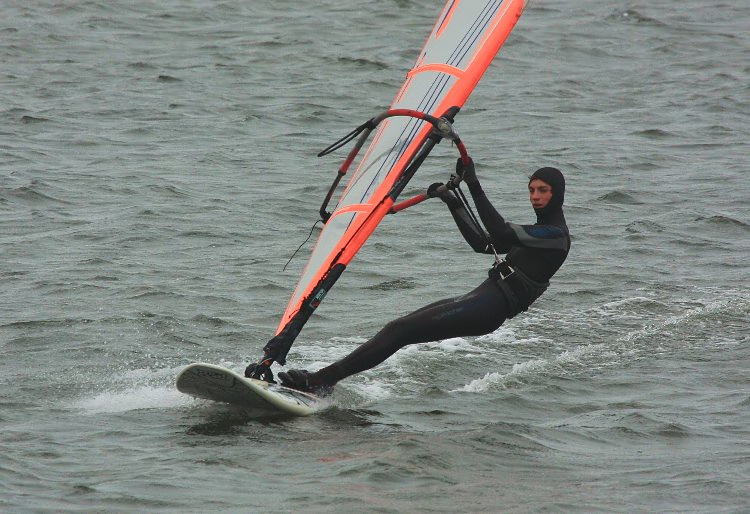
(372, 388)
(575, 358)
(529, 367)
(483, 384)
(349, 340)
(133, 389)
(149, 374)
(142, 397)
(452, 345)
(504, 334)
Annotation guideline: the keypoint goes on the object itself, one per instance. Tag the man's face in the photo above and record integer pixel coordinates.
(540, 193)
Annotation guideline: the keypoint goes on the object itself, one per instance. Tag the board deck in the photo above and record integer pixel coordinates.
(219, 384)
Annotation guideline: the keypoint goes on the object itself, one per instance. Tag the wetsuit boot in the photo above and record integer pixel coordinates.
(303, 380)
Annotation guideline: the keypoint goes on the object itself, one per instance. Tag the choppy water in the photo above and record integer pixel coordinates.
(157, 170)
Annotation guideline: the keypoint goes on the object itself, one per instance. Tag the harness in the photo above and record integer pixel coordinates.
(519, 289)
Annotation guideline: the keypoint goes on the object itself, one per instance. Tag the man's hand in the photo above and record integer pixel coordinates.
(466, 172)
(433, 192)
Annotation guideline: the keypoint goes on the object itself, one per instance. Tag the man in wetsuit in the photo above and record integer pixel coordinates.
(533, 254)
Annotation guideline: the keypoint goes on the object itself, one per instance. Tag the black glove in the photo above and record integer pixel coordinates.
(432, 191)
(466, 172)
(446, 195)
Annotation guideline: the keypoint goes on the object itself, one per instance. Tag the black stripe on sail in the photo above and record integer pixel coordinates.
(428, 102)
(445, 17)
(474, 32)
(434, 93)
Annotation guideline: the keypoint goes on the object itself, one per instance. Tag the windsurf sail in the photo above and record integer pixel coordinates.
(464, 41)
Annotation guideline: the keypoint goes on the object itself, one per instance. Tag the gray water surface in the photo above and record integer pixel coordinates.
(158, 170)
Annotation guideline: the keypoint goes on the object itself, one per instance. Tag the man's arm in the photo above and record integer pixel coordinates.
(477, 238)
(503, 236)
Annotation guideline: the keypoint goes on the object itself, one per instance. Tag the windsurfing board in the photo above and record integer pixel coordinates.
(219, 384)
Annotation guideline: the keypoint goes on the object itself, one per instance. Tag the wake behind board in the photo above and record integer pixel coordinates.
(220, 384)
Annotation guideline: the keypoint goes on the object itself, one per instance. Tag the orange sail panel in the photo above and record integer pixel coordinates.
(467, 36)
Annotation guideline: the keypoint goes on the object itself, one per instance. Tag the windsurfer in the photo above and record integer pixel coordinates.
(533, 253)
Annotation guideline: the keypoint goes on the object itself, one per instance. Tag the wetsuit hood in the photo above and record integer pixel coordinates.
(554, 178)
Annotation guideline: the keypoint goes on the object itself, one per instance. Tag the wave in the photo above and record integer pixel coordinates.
(644, 226)
(168, 78)
(654, 134)
(393, 285)
(31, 194)
(569, 360)
(367, 64)
(722, 221)
(28, 120)
(620, 197)
(633, 16)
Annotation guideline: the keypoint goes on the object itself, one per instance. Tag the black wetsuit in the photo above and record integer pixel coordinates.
(534, 254)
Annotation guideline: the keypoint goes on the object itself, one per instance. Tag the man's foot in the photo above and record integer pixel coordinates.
(303, 380)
